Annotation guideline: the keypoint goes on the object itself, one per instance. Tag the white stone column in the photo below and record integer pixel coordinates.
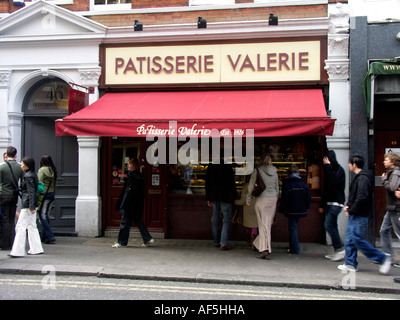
(5, 76)
(338, 67)
(88, 203)
(15, 129)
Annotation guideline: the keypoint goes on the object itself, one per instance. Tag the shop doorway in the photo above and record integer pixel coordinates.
(386, 138)
(45, 102)
(115, 153)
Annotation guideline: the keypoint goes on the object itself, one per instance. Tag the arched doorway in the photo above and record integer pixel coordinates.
(46, 101)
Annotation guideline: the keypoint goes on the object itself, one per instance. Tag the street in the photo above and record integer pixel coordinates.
(48, 287)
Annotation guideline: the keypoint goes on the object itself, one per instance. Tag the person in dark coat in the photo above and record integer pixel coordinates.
(358, 207)
(295, 201)
(220, 194)
(332, 202)
(131, 203)
(10, 174)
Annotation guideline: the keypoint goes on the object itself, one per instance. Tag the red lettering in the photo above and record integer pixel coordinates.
(119, 62)
(270, 60)
(283, 59)
(247, 64)
(191, 61)
(130, 66)
(157, 64)
(208, 62)
(259, 68)
(179, 63)
(141, 59)
(169, 64)
(293, 61)
(303, 58)
(234, 65)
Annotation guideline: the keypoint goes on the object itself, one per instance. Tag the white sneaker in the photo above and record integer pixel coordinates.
(385, 266)
(337, 256)
(117, 245)
(151, 241)
(347, 267)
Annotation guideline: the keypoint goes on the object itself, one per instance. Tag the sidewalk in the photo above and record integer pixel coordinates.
(199, 261)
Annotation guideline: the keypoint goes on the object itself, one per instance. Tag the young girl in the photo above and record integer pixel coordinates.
(27, 216)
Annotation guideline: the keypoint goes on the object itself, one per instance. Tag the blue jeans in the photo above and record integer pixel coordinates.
(356, 230)
(226, 209)
(46, 233)
(332, 213)
(293, 236)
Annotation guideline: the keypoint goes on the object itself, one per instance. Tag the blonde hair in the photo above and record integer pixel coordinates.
(394, 157)
(266, 160)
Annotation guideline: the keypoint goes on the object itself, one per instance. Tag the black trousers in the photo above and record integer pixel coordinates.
(125, 227)
(7, 221)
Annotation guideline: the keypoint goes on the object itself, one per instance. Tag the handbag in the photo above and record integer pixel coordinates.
(40, 196)
(40, 188)
(259, 185)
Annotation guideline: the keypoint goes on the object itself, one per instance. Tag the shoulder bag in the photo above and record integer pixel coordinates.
(16, 191)
(259, 185)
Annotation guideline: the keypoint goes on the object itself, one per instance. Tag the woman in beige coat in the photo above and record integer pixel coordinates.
(249, 216)
(265, 204)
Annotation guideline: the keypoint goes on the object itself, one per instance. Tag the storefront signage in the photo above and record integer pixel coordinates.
(255, 62)
(186, 131)
(77, 100)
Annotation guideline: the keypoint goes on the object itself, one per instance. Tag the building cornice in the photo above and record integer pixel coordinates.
(220, 30)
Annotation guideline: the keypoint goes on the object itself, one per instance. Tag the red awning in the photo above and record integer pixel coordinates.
(267, 112)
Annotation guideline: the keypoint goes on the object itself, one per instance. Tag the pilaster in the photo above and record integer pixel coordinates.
(338, 68)
(88, 203)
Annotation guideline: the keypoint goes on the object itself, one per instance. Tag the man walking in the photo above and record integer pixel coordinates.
(391, 182)
(10, 174)
(332, 202)
(358, 209)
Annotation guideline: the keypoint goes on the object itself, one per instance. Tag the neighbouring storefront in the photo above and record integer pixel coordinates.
(375, 99)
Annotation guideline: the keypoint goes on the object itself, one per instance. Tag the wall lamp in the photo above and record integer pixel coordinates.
(138, 26)
(201, 23)
(272, 21)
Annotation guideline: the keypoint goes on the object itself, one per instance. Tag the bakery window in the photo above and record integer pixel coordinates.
(304, 152)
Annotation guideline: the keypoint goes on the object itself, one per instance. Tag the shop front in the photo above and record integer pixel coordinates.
(175, 107)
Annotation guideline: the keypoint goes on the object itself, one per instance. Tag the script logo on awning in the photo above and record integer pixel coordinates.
(193, 153)
(184, 131)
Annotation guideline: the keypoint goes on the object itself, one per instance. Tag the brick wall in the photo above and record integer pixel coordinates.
(190, 16)
(243, 14)
(159, 4)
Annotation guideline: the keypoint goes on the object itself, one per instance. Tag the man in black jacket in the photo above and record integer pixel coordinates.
(220, 194)
(358, 209)
(10, 174)
(332, 201)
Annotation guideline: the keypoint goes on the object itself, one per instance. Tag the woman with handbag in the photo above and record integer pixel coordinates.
(265, 204)
(27, 217)
(47, 174)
